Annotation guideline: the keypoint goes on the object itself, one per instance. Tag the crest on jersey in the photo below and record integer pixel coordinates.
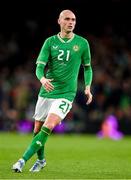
(75, 47)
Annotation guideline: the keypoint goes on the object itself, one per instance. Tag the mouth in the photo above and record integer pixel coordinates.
(70, 27)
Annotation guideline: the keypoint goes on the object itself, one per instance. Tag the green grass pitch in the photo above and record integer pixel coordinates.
(69, 157)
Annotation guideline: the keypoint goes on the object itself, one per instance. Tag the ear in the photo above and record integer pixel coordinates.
(58, 21)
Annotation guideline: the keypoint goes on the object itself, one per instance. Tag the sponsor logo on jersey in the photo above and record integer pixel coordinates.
(75, 47)
(55, 47)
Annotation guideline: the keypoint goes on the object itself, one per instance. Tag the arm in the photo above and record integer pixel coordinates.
(86, 61)
(44, 81)
(88, 81)
(41, 63)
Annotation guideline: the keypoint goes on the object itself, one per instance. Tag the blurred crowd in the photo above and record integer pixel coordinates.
(111, 86)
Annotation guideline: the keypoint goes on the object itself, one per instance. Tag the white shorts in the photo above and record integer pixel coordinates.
(45, 106)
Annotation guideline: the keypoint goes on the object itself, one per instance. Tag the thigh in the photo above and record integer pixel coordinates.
(42, 108)
(60, 107)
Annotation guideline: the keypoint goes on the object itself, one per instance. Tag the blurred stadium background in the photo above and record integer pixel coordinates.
(23, 29)
(24, 25)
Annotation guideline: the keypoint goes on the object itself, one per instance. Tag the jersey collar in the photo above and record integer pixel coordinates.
(58, 35)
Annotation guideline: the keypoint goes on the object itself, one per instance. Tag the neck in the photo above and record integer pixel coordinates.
(66, 35)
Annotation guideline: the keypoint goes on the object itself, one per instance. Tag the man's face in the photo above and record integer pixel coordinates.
(67, 22)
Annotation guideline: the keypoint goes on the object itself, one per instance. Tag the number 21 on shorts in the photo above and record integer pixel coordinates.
(64, 106)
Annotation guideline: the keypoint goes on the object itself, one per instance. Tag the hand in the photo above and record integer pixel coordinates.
(88, 95)
(47, 84)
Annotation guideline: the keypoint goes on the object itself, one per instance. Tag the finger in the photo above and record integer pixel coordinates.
(50, 80)
(48, 90)
(89, 100)
(49, 87)
(50, 84)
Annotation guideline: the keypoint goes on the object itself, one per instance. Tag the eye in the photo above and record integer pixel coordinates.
(67, 19)
(73, 19)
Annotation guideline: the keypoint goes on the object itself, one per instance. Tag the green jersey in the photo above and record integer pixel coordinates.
(63, 58)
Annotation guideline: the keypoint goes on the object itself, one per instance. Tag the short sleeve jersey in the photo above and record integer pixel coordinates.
(64, 57)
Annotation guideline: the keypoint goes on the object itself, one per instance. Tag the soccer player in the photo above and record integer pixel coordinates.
(63, 54)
